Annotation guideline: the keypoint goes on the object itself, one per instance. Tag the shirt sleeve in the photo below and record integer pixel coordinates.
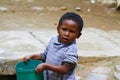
(70, 60)
(69, 64)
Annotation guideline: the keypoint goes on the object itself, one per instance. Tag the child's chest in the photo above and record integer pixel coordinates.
(56, 55)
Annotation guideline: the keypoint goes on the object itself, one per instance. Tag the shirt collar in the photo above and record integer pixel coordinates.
(58, 43)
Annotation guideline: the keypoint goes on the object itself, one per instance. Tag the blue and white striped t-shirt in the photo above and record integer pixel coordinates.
(57, 53)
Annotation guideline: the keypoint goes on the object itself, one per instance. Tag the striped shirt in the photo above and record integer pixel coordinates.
(57, 54)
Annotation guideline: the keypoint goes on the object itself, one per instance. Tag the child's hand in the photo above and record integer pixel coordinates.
(26, 58)
(40, 67)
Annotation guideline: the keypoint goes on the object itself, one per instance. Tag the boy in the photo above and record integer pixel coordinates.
(60, 56)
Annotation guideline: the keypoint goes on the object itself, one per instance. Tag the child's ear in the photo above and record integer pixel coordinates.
(79, 35)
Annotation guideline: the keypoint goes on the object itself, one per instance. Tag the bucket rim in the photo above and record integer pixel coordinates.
(21, 70)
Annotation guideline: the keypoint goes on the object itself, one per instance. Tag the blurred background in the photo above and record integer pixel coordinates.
(37, 14)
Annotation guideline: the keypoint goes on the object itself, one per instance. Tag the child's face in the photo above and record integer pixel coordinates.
(68, 31)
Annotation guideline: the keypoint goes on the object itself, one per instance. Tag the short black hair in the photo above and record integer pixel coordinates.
(72, 16)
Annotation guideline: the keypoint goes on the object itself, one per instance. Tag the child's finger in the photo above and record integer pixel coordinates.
(26, 58)
(39, 68)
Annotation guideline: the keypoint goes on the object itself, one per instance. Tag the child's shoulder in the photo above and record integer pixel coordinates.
(54, 37)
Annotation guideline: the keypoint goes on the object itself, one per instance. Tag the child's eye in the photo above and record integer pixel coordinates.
(72, 31)
(64, 29)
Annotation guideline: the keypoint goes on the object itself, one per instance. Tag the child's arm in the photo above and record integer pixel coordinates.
(62, 69)
(33, 56)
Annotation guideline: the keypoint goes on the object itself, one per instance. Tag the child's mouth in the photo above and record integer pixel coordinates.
(65, 39)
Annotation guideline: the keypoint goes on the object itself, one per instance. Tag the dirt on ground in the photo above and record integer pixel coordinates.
(44, 14)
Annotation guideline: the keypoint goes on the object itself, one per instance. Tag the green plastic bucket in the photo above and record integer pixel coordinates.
(26, 71)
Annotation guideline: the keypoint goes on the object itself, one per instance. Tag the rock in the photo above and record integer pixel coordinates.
(99, 73)
(112, 3)
(88, 10)
(7, 66)
(63, 8)
(96, 76)
(3, 9)
(37, 8)
(78, 77)
(117, 75)
(102, 70)
(93, 1)
(78, 8)
(117, 67)
(109, 3)
(118, 5)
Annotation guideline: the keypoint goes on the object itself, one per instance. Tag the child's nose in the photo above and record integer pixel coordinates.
(67, 33)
